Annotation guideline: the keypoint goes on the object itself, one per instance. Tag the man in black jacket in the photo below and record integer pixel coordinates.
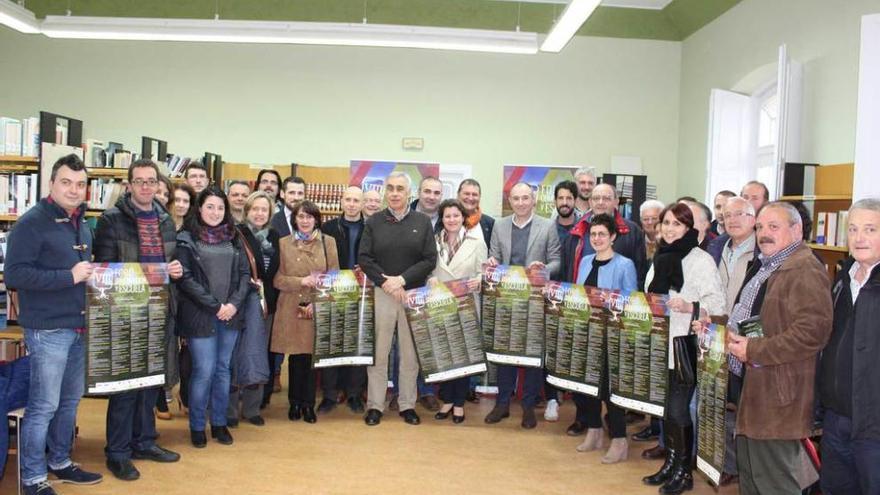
(346, 230)
(469, 193)
(849, 378)
(293, 191)
(136, 230)
(397, 253)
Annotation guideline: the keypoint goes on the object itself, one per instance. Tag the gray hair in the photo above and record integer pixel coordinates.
(738, 199)
(870, 204)
(794, 216)
(398, 174)
(651, 203)
(591, 171)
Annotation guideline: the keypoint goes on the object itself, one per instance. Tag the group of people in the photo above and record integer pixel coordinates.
(242, 263)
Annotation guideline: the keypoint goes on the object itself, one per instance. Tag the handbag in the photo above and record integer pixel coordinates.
(684, 354)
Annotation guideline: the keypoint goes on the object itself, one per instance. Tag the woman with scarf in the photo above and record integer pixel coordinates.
(689, 276)
(213, 290)
(303, 252)
(606, 269)
(250, 369)
(460, 255)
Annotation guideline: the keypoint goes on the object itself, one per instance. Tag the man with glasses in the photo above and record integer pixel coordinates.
(269, 180)
(136, 230)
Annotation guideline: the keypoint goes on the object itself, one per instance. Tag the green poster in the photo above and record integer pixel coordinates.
(344, 333)
(638, 343)
(126, 316)
(712, 403)
(446, 331)
(513, 315)
(575, 338)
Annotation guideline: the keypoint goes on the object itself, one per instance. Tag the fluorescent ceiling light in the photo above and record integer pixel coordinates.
(308, 33)
(18, 17)
(574, 16)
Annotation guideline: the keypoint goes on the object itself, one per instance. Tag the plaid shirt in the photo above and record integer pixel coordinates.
(743, 309)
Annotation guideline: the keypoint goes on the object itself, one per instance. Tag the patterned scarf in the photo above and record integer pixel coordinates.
(262, 235)
(473, 219)
(449, 244)
(216, 235)
(302, 236)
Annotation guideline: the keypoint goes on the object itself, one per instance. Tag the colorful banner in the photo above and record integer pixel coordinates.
(513, 315)
(446, 330)
(542, 178)
(638, 344)
(344, 312)
(126, 316)
(712, 402)
(371, 175)
(575, 324)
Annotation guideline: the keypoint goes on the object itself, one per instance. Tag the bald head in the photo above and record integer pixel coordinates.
(352, 202)
(522, 200)
(372, 201)
(603, 199)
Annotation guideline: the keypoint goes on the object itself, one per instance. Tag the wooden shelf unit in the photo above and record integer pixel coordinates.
(833, 193)
(24, 160)
(115, 173)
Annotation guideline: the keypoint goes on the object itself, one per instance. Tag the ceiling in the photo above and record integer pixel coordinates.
(672, 20)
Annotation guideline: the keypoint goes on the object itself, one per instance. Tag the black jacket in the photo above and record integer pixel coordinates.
(197, 310)
(116, 233)
(337, 231)
(279, 223)
(267, 276)
(851, 355)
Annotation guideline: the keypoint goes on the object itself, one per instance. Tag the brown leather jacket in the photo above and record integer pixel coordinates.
(777, 396)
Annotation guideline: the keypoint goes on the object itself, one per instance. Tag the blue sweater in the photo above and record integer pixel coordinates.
(618, 274)
(41, 249)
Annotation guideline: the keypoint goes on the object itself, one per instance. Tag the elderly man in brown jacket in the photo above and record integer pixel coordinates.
(788, 289)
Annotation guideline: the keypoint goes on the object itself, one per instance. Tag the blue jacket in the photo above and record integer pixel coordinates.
(41, 249)
(618, 274)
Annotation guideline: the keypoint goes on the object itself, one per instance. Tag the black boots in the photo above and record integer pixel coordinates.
(665, 472)
(682, 477)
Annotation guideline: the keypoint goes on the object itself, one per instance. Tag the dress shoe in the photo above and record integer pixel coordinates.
(656, 452)
(164, 415)
(441, 414)
(156, 454)
(646, 434)
(356, 405)
(256, 420)
(529, 420)
(221, 434)
(198, 439)
(410, 417)
(232, 422)
(309, 415)
(430, 403)
(123, 470)
(41, 488)
(294, 413)
(497, 413)
(75, 475)
(473, 397)
(592, 441)
(458, 419)
(326, 405)
(393, 405)
(373, 417)
(575, 429)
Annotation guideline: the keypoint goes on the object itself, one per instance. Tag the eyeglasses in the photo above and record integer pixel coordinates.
(736, 214)
(142, 182)
(599, 235)
(266, 182)
(602, 198)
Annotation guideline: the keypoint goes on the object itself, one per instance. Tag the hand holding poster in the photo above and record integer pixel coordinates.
(446, 331)
(575, 341)
(126, 316)
(513, 315)
(638, 343)
(712, 403)
(344, 332)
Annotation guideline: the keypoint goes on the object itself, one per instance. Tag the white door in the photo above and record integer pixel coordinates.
(729, 162)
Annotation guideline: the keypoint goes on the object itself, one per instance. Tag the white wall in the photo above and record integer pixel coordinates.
(867, 169)
(821, 34)
(326, 105)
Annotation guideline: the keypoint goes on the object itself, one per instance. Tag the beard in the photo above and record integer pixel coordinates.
(583, 197)
(565, 212)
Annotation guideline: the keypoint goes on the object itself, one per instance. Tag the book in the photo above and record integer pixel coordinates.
(96, 156)
(10, 136)
(821, 220)
(30, 136)
(842, 228)
(831, 229)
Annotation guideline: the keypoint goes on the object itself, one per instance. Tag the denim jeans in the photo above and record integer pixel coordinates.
(849, 465)
(131, 424)
(211, 376)
(57, 358)
(507, 376)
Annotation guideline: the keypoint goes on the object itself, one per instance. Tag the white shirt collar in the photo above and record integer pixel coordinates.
(524, 224)
(854, 285)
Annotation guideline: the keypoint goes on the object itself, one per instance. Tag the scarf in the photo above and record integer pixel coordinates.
(473, 219)
(449, 244)
(216, 235)
(262, 236)
(667, 263)
(302, 236)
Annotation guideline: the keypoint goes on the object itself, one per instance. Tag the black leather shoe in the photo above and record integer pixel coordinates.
(326, 405)
(440, 416)
(656, 452)
(309, 415)
(457, 419)
(232, 422)
(410, 417)
(356, 405)
(473, 397)
(156, 454)
(198, 439)
(123, 470)
(294, 413)
(256, 420)
(221, 434)
(373, 417)
(497, 414)
(644, 435)
(575, 429)
(529, 420)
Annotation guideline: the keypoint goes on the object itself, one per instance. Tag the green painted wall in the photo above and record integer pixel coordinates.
(821, 34)
(326, 105)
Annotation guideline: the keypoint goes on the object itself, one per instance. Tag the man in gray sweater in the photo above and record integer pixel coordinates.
(397, 253)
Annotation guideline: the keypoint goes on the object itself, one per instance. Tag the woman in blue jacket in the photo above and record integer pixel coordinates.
(607, 270)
